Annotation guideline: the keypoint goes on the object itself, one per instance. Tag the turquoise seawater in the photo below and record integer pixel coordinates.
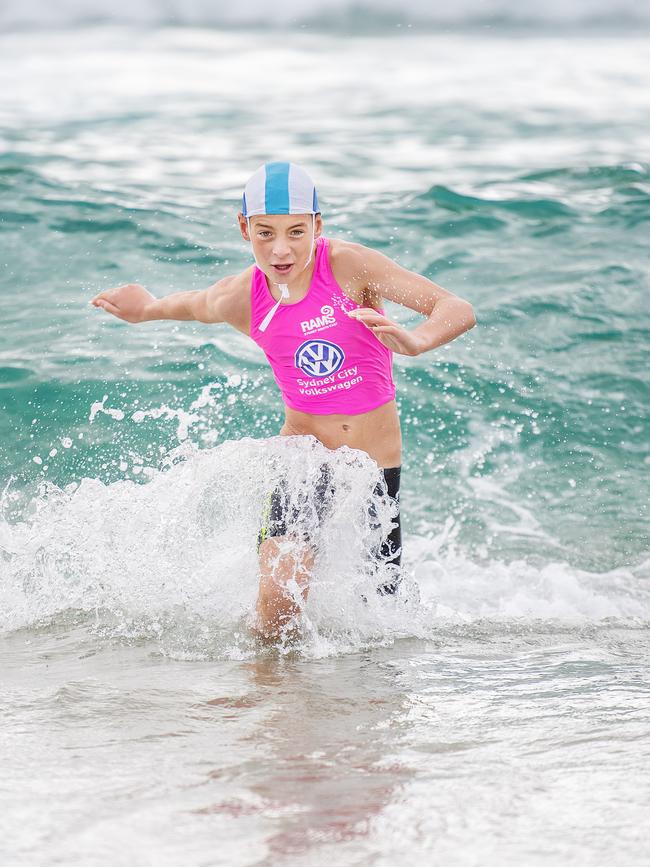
(514, 171)
(524, 191)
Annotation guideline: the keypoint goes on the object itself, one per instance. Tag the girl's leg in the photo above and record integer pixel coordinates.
(285, 569)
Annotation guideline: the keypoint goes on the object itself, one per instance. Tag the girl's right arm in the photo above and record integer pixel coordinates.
(133, 303)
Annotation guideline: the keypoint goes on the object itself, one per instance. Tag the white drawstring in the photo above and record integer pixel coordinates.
(284, 289)
(284, 293)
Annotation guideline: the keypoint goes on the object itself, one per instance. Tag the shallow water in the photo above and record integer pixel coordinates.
(481, 745)
(497, 714)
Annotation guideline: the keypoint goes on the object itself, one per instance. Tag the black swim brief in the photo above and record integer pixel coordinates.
(280, 515)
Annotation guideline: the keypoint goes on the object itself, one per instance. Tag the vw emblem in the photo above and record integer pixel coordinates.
(319, 357)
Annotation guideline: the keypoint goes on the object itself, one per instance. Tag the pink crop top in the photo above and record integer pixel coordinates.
(324, 361)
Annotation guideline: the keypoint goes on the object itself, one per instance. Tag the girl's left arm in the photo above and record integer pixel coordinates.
(448, 316)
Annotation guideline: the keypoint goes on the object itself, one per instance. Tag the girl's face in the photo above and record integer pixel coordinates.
(282, 243)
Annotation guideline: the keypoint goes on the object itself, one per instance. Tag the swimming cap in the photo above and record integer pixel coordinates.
(279, 188)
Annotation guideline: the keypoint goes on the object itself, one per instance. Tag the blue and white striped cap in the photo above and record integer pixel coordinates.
(280, 188)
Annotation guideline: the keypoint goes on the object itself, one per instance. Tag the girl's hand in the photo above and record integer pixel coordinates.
(129, 302)
(389, 333)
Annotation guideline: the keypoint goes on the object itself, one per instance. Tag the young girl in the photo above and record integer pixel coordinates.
(314, 306)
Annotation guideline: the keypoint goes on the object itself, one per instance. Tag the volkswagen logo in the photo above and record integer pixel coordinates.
(319, 357)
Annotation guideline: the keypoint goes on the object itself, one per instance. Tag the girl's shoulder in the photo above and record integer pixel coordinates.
(231, 295)
(348, 264)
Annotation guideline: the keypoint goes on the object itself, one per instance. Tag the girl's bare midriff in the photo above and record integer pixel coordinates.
(376, 432)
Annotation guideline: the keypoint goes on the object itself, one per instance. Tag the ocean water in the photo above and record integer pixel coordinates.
(498, 712)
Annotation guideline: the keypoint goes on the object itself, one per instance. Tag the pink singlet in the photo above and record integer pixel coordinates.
(324, 361)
